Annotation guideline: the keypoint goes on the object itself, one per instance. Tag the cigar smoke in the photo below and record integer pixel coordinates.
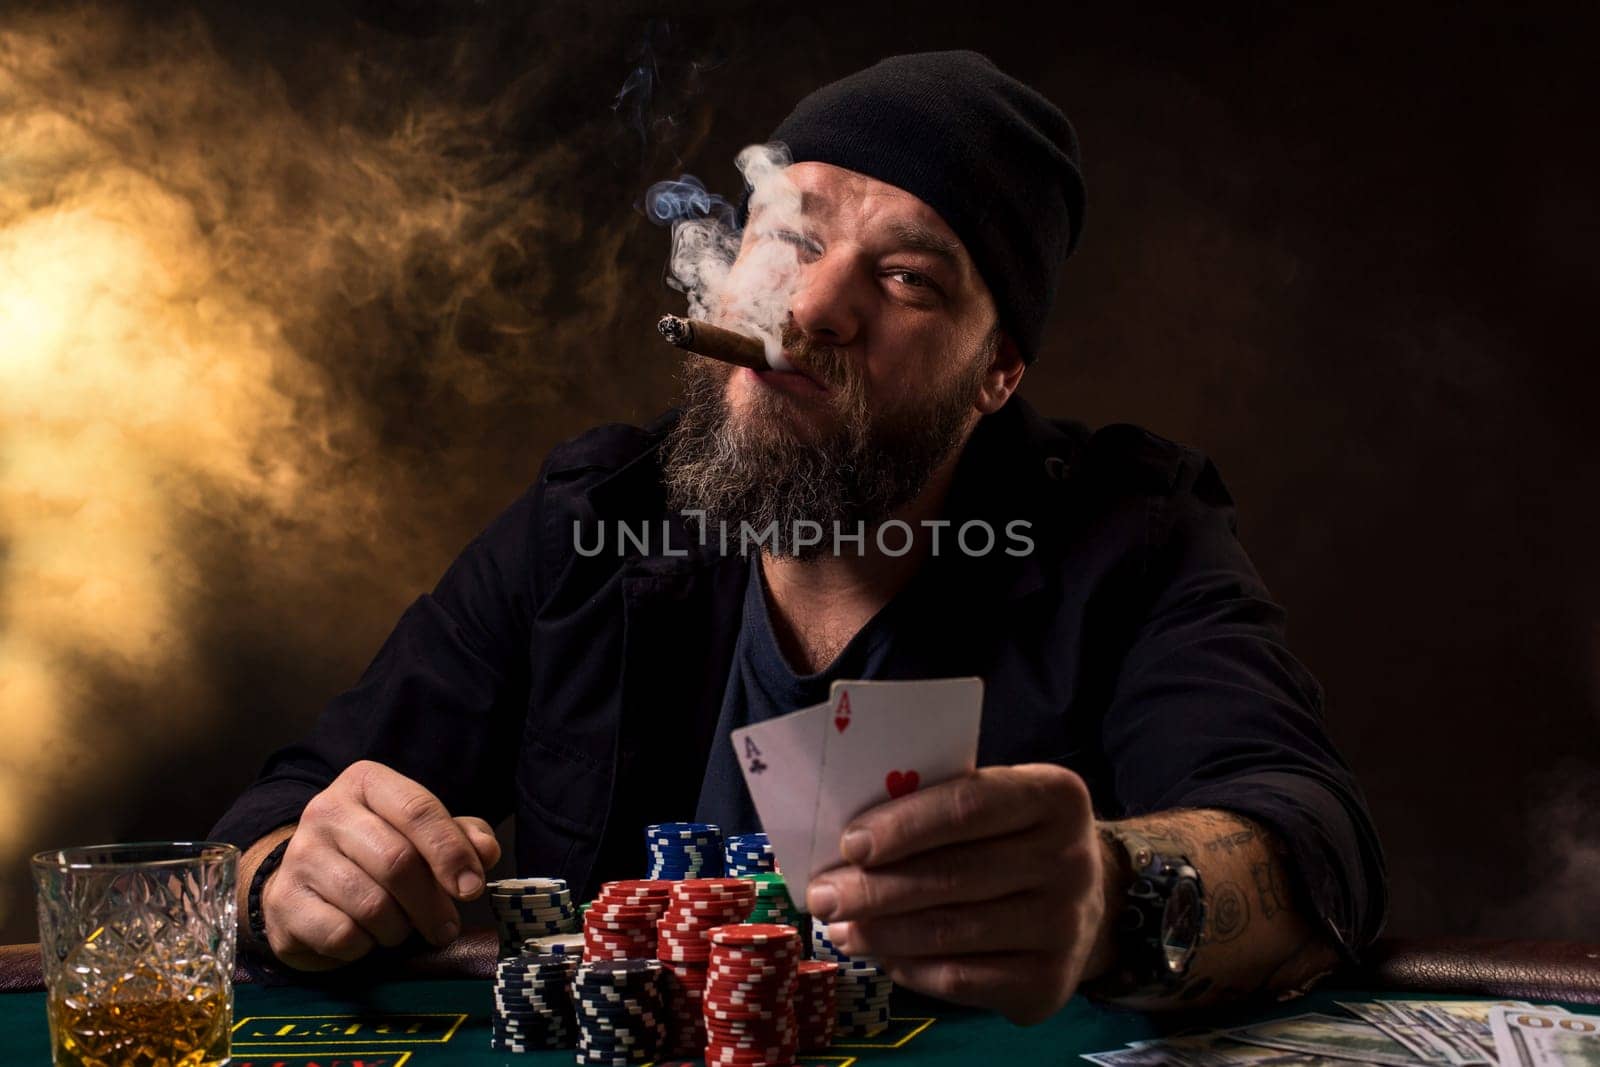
(281, 325)
(706, 239)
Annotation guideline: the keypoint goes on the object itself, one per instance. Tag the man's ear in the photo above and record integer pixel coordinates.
(1000, 380)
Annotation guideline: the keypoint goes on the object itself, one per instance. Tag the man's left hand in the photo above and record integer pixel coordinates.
(987, 890)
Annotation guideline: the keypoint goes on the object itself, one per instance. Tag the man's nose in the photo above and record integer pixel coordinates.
(828, 300)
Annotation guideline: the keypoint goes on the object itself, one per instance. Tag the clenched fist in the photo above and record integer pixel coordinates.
(374, 856)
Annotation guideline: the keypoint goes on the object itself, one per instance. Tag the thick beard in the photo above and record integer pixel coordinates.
(762, 473)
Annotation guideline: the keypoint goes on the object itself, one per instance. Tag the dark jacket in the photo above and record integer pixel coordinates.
(1135, 644)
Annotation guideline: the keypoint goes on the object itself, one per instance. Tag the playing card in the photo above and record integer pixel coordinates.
(780, 758)
(885, 740)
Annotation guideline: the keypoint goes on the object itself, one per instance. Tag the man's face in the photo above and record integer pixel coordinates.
(887, 302)
(891, 330)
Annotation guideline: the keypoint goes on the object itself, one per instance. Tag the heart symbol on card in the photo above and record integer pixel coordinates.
(841, 721)
(899, 783)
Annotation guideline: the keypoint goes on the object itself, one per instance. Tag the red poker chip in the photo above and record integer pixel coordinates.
(767, 999)
(686, 929)
(769, 982)
(767, 950)
(750, 1036)
(784, 989)
(819, 968)
(756, 1058)
(752, 1042)
(753, 1054)
(768, 954)
(752, 967)
(621, 918)
(602, 934)
(623, 907)
(650, 885)
(713, 885)
(687, 973)
(743, 1022)
(621, 914)
(630, 928)
(677, 957)
(728, 1011)
(755, 934)
(699, 923)
(775, 983)
(709, 914)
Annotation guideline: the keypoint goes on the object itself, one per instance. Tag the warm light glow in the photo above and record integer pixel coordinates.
(176, 242)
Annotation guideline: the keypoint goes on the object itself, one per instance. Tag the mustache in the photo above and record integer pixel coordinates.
(824, 363)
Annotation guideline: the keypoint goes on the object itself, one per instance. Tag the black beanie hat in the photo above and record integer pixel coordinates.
(994, 158)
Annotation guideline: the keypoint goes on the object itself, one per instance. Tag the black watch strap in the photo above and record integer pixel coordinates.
(255, 918)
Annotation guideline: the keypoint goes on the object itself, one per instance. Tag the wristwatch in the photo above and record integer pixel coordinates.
(1163, 913)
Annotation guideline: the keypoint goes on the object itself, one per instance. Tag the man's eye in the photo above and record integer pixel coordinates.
(911, 278)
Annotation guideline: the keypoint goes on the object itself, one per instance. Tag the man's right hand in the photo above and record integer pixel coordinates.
(374, 856)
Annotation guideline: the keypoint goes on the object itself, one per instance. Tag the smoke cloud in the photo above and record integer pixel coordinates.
(250, 301)
(706, 239)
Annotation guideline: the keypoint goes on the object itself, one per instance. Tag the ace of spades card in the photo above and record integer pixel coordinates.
(884, 740)
(779, 759)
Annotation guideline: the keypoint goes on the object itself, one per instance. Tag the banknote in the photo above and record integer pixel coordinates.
(1453, 1032)
(1327, 1035)
(1215, 1050)
(1538, 1037)
(1201, 1050)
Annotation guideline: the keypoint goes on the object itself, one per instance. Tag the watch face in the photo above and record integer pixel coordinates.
(1180, 925)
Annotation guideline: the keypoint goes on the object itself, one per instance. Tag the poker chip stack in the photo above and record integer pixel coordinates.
(747, 854)
(684, 850)
(863, 988)
(750, 996)
(698, 906)
(619, 1012)
(530, 907)
(533, 1006)
(621, 922)
(773, 903)
(816, 1003)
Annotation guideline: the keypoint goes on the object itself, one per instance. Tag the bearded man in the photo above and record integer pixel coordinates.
(1144, 725)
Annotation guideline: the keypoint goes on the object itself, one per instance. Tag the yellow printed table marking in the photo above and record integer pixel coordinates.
(340, 1058)
(410, 1028)
(887, 1038)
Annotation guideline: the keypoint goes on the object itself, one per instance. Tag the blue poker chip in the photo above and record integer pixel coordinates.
(681, 829)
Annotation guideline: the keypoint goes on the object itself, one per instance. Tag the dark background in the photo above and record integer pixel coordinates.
(1348, 252)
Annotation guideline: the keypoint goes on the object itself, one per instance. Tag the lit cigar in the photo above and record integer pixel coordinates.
(714, 342)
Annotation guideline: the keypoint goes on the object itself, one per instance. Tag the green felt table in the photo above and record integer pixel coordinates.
(440, 1023)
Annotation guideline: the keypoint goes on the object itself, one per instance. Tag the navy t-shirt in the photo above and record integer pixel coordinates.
(762, 686)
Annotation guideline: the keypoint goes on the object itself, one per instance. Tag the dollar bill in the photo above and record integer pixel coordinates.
(1201, 1050)
(1538, 1037)
(1326, 1035)
(1447, 1032)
